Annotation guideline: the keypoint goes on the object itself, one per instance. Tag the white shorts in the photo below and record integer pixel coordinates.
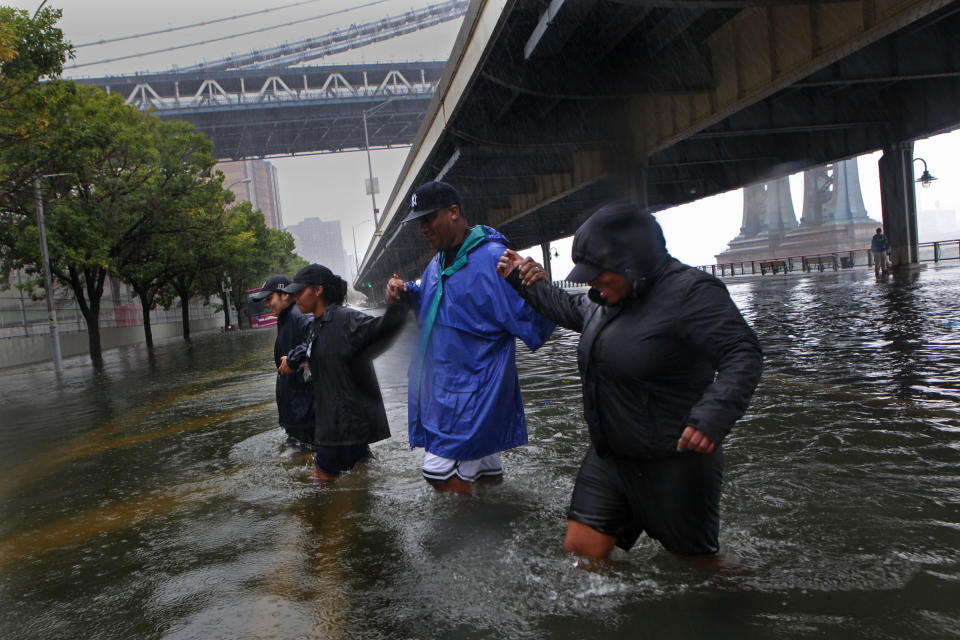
(439, 468)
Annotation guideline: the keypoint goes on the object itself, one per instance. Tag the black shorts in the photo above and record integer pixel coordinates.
(674, 499)
(336, 460)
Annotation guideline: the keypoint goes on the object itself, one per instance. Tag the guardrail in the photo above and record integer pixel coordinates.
(928, 252)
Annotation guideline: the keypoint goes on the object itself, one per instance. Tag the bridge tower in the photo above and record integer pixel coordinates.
(767, 216)
(834, 217)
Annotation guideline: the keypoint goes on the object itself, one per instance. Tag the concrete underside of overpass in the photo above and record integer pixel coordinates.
(547, 109)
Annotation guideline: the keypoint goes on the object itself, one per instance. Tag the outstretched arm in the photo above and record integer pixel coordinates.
(372, 335)
(529, 279)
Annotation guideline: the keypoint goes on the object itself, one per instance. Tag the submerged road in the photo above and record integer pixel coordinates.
(156, 501)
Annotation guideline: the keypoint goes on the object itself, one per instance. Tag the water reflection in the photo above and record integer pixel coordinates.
(155, 499)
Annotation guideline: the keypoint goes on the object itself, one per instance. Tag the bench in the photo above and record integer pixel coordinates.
(773, 265)
(820, 262)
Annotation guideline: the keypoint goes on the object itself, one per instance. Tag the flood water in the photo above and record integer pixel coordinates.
(156, 500)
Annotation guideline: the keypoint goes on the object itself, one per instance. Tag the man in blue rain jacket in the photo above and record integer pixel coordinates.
(464, 393)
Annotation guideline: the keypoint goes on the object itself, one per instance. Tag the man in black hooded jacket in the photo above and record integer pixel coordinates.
(294, 393)
(667, 365)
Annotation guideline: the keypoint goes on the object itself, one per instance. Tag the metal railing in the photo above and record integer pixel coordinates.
(928, 252)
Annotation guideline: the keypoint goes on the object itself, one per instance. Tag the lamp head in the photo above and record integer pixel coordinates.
(925, 179)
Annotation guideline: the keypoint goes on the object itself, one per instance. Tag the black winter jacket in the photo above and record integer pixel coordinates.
(294, 396)
(349, 407)
(675, 353)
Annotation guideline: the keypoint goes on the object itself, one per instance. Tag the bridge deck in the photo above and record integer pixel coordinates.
(547, 110)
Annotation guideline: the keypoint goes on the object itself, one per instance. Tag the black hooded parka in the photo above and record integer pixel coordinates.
(676, 352)
(349, 407)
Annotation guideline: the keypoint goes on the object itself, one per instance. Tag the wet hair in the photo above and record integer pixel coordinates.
(334, 289)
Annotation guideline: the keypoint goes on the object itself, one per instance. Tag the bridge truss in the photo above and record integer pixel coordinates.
(288, 111)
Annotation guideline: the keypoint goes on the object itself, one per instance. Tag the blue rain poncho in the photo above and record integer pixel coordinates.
(464, 393)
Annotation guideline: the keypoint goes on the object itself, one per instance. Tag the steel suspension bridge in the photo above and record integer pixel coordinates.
(272, 102)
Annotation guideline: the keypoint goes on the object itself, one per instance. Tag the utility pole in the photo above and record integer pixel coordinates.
(372, 186)
(48, 280)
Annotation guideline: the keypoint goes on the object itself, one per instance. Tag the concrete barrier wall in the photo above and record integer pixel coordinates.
(22, 350)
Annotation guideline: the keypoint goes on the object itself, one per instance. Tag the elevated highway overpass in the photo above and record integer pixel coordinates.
(548, 108)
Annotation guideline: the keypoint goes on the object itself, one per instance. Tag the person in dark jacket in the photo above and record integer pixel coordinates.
(667, 366)
(880, 246)
(294, 394)
(349, 413)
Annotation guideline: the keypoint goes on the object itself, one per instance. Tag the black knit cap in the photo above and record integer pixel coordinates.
(274, 284)
(310, 276)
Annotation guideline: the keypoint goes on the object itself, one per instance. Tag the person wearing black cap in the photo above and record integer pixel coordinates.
(464, 398)
(294, 394)
(667, 365)
(343, 342)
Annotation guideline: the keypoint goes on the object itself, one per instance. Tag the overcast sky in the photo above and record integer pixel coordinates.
(331, 186)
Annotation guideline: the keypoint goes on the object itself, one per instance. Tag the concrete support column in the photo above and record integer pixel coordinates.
(639, 193)
(545, 247)
(899, 203)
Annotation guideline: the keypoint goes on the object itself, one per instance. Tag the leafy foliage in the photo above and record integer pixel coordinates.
(125, 194)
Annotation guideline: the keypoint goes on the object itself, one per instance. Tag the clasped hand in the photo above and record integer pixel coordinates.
(396, 289)
(530, 270)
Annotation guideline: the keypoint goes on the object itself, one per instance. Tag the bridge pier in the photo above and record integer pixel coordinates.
(545, 247)
(899, 203)
(638, 187)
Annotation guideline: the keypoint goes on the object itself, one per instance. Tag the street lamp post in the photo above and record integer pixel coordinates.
(372, 187)
(356, 258)
(47, 279)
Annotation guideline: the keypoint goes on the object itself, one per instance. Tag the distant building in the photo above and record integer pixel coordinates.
(939, 223)
(256, 181)
(320, 241)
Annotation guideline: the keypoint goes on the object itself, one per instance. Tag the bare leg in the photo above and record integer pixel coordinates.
(323, 475)
(724, 564)
(587, 541)
(452, 485)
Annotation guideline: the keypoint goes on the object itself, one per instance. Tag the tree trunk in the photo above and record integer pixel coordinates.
(185, 315)
(226, 309)
(238, 299)
(146, 303)
(88, 299)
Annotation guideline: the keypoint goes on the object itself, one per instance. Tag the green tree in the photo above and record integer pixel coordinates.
(31, 50)
(172, 204)
(103, 156)
(196, 258)
(252, 251)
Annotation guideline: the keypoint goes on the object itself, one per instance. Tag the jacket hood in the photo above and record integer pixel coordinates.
(494, 236)
(622, 238)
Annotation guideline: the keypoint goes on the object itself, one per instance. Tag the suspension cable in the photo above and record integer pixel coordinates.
(222, 38)
(199, 24)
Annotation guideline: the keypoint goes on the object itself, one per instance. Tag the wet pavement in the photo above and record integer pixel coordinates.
(156, 500)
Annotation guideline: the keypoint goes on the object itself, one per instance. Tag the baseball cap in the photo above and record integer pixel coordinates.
(274, 284)
(430, 197)
(310, 275)
(583, 272)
